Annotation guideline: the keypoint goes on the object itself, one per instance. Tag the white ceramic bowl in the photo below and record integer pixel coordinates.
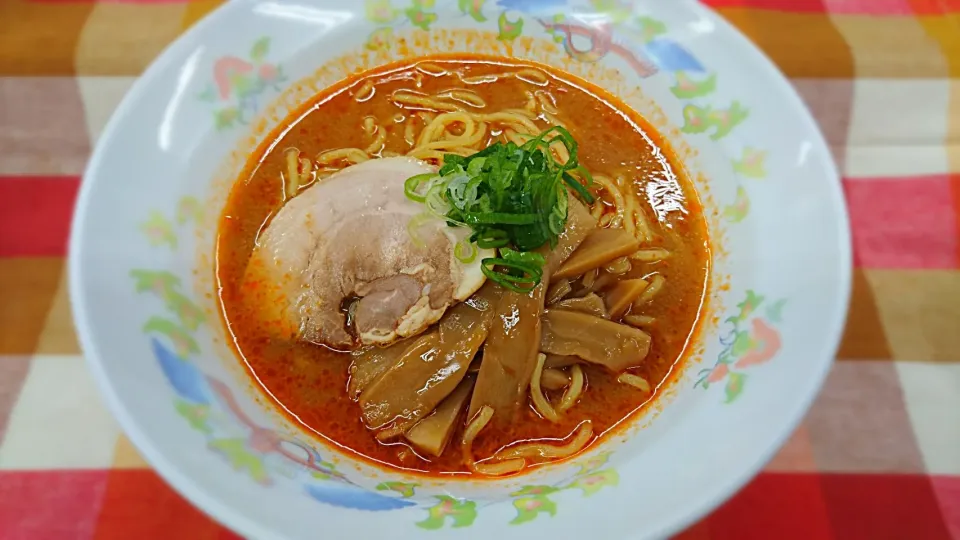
(143, 292)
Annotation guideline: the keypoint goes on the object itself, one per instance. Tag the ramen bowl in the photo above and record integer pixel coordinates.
(145, 295)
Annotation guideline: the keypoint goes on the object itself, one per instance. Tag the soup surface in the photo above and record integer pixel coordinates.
(637, 186)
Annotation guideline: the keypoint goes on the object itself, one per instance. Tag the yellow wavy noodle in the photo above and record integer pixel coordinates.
(515, 119)
(546, 102)
(408, 99)
(656, 285)
(474, 427)
(514, 137)
(547, 452)
(291, 156)
(615, 198)
(559, 150)
(426, 116)
(623, 208)
(501, 468)
(299, 172)
(467, 97)
(540, 401)
(437, 134)
(598, 209)
(379, 138)
(431, 69)
(639, 219)
(630, 224)
(481, 79)
(365, 93)
(532, 76)
(572, 393)
(531, 104)
(435, 155)
(408, 132)
(635, 381)
(618, 266)
(651, 255)
(350, 155)
(639, 321)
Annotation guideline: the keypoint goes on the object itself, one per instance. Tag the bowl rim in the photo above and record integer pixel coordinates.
(209, 502)
(202, 499)
(831, 344)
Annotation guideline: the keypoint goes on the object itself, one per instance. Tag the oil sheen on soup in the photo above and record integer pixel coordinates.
(463, 265)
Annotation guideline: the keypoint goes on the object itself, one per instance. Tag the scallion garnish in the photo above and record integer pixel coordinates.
(513, 197)
(514, 270)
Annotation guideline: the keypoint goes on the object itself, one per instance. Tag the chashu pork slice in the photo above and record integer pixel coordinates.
(356, 244)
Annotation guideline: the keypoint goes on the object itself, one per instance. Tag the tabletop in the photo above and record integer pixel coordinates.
(878, 455)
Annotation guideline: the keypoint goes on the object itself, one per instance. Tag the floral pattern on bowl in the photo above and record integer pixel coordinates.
(239, 84)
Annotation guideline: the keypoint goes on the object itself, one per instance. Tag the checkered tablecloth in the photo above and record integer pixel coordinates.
(877, 457)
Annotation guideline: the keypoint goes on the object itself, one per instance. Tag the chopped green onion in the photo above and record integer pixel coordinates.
(411, 184)
(518, 277)
(494, 238)
(523, 257)
(513, 197)
(578, 187)
(465, 251)
(413, 227)
(499, 218)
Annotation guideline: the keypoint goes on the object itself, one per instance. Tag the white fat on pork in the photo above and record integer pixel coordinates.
(356, 243)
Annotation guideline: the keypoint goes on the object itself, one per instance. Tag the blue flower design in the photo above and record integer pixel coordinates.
(668, 55)
(347, 496)
(535, 7)
(188, 381)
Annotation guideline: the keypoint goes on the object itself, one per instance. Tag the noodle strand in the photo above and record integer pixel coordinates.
(651, 255)
(656, 284)
(500, 468)
(639, 321)
(619, 204)
(547, 102)
(467, 97)
(540, 402)
(480, 421)
(644, 232)
(416, 101)
(572, 393)
(299, 172)
(532, 76)
(548, 451)
(635, 381)
(431, 69)
(365, 93)
(352, 155)
(293, 175)
(380, 138)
